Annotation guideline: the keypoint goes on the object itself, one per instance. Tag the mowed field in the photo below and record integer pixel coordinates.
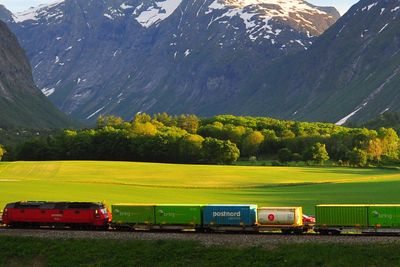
(116, 182)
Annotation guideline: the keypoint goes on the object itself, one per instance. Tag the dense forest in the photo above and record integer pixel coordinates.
(217, 140)
(387, 120)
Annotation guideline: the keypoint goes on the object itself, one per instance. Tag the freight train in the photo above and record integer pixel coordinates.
(329, 220)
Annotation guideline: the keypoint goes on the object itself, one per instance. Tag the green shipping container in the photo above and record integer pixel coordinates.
(132, 214)
(178, 214)
(341, 215)
(384, 216)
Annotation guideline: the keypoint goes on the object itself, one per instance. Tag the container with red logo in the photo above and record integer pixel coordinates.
(280, 217)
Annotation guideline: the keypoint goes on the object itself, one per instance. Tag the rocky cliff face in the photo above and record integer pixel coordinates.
(179, 56)
(21, 103)
(351, 73)
(6, 15)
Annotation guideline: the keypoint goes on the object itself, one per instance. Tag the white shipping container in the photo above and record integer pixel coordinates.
(280, 216)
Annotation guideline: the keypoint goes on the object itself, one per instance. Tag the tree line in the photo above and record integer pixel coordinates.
(217, 140)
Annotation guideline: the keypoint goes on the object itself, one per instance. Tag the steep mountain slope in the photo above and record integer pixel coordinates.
(351, 73)
(21, 103)
(6, 15)
(179, 56)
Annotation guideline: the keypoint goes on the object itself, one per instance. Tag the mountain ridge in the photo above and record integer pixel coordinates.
(158, 56)
(349, 74)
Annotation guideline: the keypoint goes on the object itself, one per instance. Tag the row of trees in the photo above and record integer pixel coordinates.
(299, 141)
(139, 140)
(218, 140)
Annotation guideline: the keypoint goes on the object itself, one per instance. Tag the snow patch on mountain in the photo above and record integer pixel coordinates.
(34, 13)
(125, 6)
(156, 12)
(285, 6)
(345, 119)
(48, 91)
(256, 14)
(395, 9)
(94, 113)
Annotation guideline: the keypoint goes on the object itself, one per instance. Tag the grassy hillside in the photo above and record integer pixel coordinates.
(167, 183)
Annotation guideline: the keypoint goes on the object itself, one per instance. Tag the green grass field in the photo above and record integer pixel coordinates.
(18, 251)
(115, 182)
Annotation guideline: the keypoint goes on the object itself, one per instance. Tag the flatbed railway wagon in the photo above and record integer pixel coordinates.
(372, 219)
(77, 215)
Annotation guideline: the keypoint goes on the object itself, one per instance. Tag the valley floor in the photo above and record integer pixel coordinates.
(116, 182)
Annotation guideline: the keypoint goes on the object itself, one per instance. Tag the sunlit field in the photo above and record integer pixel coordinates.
(114, 182)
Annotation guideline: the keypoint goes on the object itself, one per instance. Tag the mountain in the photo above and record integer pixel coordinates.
(350, 74)
(6, 15)
(21, 103)
(178, 56)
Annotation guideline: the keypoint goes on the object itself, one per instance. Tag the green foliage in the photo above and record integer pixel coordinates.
(253, 160)
(285, 155)
(220, 152)
(387, 120)
(2, 151)
(165, 119)
(319, 153)
(389, 142)
(34, 149)
(142, 118)
(144, 128)
(358, 157)
(296, 157)
(252, 142)
(191, 147)
(109, 120)
(165, 138)
(190, 123)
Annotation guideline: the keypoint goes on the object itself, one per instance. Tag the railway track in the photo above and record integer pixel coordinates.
(208, 239)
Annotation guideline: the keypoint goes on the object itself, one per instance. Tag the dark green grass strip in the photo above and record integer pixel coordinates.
(15, 251)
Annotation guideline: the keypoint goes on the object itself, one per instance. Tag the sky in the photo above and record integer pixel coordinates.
(21, 5)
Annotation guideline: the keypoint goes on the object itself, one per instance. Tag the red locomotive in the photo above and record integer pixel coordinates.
(76, 215)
